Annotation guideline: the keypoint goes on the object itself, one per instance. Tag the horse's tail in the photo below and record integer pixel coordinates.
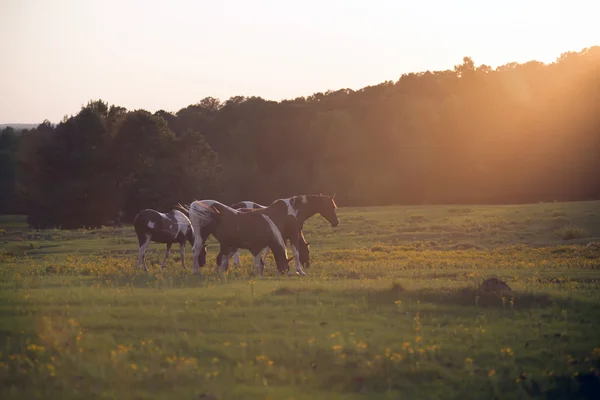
(184, 208)
(201, 215)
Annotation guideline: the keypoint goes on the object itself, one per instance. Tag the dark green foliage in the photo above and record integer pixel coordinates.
(520, 133)
(105, 164)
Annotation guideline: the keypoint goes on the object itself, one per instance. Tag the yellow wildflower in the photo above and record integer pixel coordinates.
(133, 367)
(492, 372)
(171, 359)
(311, 340)
(122, 349)
(507, 351)
(337, 347)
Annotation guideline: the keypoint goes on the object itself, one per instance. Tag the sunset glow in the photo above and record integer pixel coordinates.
(57, 55)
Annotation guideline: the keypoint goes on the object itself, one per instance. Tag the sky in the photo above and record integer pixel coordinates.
(56, 55)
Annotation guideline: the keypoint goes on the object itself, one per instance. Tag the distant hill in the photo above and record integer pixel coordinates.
(18, 126)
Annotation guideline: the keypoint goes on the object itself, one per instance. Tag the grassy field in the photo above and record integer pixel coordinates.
(390, 309)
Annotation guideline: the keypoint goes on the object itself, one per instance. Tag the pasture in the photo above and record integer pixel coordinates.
(389, 309)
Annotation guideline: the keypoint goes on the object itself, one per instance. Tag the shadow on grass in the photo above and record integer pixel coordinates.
(436, 378)
(466, 297)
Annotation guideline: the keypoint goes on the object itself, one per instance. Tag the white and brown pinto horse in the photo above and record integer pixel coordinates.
(305, 206)
(172, 227)
(252, 230)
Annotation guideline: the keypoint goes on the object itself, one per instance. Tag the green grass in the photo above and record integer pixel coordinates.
(390, 309)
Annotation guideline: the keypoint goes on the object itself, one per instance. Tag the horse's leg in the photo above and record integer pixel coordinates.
(142, 253)
(236, 257)
(265, 254)
(162, 265)
(259, 267)
(196, 248)
(294, 244)
(225, 260)
(182, 253)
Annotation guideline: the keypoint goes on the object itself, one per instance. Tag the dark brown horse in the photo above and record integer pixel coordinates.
(174, 226)
(303, 246)
(252, 230)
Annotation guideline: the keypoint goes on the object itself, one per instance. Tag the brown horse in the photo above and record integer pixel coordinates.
(252, 230)
(303, 246)
(303, 207)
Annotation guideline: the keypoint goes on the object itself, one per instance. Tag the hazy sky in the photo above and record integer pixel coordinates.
(55, 55)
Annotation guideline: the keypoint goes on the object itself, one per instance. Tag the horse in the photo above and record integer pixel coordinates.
(252, 230)
(302, 207)
(174, 226)
(303, 246)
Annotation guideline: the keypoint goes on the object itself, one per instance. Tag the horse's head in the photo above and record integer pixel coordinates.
(283, 266)
(327, 209)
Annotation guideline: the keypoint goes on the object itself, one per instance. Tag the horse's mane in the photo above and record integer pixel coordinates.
(222, 208)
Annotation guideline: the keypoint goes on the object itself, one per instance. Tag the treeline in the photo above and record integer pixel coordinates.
(520, 133)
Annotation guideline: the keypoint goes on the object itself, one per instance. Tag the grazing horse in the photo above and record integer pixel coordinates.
(174, 226)
(303, 246)
(303, 207)
(252, 230)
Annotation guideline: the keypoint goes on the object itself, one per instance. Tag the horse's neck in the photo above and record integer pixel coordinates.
(307, 210)
(279, 253)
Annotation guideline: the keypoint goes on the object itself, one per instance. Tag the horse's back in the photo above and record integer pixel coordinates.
(145, 216)
(246, 204)
(243, 229)
(178, 216)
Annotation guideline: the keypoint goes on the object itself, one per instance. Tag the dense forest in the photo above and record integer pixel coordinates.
(518, 133)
